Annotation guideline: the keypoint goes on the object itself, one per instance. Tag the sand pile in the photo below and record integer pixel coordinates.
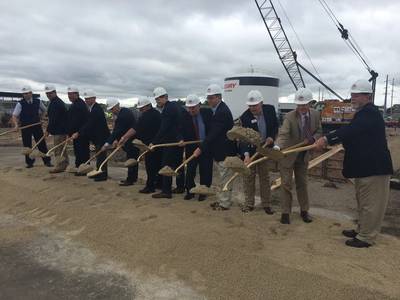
(247, 135)
(84, 168)
(204, 190)
(167, 171)
(130, 163)
(71, 169)
(26, 151)
(139, 144)
(36, 154)
(236, 164)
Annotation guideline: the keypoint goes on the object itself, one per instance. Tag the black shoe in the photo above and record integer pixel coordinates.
(306, 217)
(178, 190)
(161, 195)
(268, 210)
(350, 233)
(356, 243)
(147, 190)
(188, 196)
(125, 183)
(29, 166)
(285, 219)
(103, 178)
(202, 197)
(48, 164)
(79, 174)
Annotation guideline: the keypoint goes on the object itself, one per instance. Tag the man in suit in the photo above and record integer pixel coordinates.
(147, 128)
(367, 159)
(169, 132)
(217, 143)
(196, 124)
(300, 125)
(78, 115)
(95, 130)
(58, 117)
(29, 111)
(262, 118)
(122, 134)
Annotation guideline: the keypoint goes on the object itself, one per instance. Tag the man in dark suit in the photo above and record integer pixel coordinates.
(78, 115)
(122, 134)
(216, 142)
(169, 132)
(58, 117)
(95, 130)
(262, 118)
(367, 159)
(147, 128)
(29, 111)
(196, 125)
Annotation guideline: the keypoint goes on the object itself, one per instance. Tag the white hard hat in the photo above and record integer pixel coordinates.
(143, 101)
(26, 89)
(254, 97)
(49, 88)
(303, 96)
(72, 89)
(159, 91)
(89, 94)
(213, 89)
(112, 102)
(361, 86)
(192, 100)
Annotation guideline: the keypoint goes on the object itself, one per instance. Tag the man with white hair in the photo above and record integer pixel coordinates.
(368, 160)
(58, 117)
(300, 125)
(29, 111)
(95, 130)
(262, 118)
(78, 115)
(217, 143)
(196, 125)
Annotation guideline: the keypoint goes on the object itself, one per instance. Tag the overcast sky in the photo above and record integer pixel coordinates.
(126, 48)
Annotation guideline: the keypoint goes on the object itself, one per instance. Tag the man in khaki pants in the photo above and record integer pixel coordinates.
(367, 159)
(262, 118)
(57, 127)
(300, 125)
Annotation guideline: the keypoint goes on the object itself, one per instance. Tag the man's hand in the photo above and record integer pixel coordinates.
(276, 148)
(181, 143)
(75, 135)
(197, 152)
(321, 143)
(247, 159)
(309, 142)
(115, 144)
(269, 141)
(105, 147)
(121, 141)
(46, 133)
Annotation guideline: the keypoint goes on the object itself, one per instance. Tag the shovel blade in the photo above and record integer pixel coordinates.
(94, 173)
(130, 163)
(271, 153)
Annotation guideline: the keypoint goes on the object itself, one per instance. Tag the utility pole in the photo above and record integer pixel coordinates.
(391, 101)
(385, 102)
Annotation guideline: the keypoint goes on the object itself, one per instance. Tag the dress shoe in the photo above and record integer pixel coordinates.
(161, 195)
(147, 190)
(125, 183)
(29, 166)
(306, 217)
(350, 233)
(202, 198)
(268, 210)
(356, 243)
(178, 190)
(285, 219)
(102, 178)
(188, 196)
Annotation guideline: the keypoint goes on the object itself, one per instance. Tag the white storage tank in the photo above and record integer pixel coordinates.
(237, 87)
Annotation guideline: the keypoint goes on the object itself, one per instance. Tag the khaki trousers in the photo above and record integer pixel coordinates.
(57, 152)
(299, 168)
(249, 182)
(224, 198)
(372, 195)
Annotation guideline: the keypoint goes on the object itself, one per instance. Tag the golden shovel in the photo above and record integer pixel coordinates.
(28, 151)
(86, 167)
(99, 170)
(57, 146)
(167, 171)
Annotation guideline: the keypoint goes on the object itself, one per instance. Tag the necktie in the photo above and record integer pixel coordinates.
(307, 129)
(196, 127)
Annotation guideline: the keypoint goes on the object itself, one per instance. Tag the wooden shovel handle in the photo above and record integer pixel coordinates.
(38, 142)
(94, 156)
(19, 128)
(64, 148)
(108, 157)
(185, 162)
(299, 149)
(142, 155)
(174, 144)
(58, 145)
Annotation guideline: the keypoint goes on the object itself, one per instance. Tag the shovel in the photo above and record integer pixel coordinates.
(57, 146)
(99, 171)
(19, 128)
(252, 163)
(133, 162)
(245, 134)
(86, 167)
(167, 171)
(204, 190)
(144, 147)
(28, 151)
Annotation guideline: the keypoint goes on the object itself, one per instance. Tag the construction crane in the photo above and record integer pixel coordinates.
(286, 54)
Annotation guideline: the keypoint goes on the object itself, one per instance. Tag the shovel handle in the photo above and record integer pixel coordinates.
(225, 188)
(38, 142)
(299, 149)
(174, 144)
(108, 157)
(94, 156)
(58, 145)
(19, 128)
(142, 155)
(64, 148)
(185, 162)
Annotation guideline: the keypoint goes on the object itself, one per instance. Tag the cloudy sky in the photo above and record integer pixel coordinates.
(126, 48)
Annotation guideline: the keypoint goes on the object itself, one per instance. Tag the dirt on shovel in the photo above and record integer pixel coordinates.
(130, 163)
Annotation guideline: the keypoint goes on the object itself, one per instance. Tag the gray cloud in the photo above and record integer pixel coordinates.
(126, 48)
